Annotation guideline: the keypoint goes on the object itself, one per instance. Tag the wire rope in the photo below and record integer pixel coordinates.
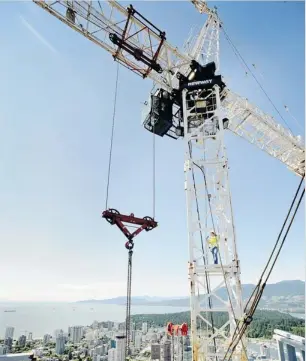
(258, 291)
(239, 56)
(112, 138)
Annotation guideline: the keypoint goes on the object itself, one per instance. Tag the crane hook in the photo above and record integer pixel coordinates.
(129, 245)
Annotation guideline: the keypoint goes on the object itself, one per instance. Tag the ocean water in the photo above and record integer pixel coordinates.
(42, 318)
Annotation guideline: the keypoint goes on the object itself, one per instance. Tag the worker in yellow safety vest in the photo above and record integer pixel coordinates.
(213, 245)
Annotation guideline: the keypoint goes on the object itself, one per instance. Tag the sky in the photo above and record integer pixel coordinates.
(57, 91)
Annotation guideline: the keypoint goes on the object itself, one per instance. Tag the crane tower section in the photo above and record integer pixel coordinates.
(212, 265)
(209, 209)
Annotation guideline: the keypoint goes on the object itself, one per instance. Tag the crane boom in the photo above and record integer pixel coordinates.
(249, 122)
(97, 20)
(201, 6)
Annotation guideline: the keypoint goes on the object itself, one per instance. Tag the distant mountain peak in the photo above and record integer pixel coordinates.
(282, 295)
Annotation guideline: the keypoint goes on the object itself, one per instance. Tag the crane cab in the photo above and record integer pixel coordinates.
(157, 117)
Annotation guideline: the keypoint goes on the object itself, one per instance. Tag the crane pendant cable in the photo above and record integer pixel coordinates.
(255, 297)
(112, 137)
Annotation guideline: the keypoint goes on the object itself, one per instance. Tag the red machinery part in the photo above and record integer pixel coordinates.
(184, 329)
(169, 328)
(123, 221)
(177, 329)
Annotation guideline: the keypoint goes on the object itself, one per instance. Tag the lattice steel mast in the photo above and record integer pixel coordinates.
(209, 208)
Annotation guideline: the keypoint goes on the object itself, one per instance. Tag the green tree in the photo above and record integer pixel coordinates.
(299, 331)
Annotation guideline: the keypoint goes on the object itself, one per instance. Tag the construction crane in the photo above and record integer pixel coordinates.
(191, 100)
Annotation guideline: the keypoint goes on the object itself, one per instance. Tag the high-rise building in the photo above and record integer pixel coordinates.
(120, 348)
(167, 351)
(22, 341)
(153, 337)
(3, 350)
(155, 351)
(179, 348)
(265, 351)
(111, 355)
(9, 333)
(109, 325)
(30, 336)
(60, 344)
(8, 342)
(46, 339)
(133, 335)
(138, 341)
(144, 327)
(95, 325)
(58, 332)
(94, 356)
(100, 350)
(76, 334)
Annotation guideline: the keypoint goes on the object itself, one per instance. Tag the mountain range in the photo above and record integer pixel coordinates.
(284, 295)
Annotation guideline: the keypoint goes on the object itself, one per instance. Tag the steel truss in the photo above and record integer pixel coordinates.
(96, 20)
(209, 207)
(252, 124)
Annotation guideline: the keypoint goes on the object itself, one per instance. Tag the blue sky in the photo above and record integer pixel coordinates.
(55, 118)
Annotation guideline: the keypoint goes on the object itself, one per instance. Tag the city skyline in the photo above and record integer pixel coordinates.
(55, 123)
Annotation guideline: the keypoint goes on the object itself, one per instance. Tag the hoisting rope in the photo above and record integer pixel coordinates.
(154, 171)
(258, 291)
(294, 118)
(240, 57)
(114, 217)
(112, 138)
(129, 246)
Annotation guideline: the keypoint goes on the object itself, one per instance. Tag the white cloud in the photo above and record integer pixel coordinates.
(38, 35)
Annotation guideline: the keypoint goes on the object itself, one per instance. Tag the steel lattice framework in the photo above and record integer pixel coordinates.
(252, 124)
(96, 20)
(209, 208)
